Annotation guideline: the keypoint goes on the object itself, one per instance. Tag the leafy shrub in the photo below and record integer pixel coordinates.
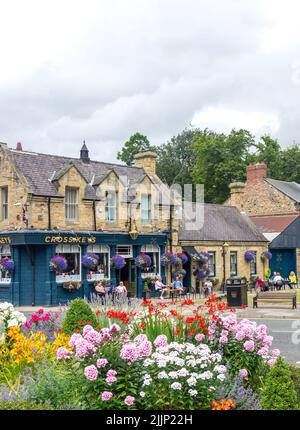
(78, 315)
(278, 390)
(296, 380)
(22, 405)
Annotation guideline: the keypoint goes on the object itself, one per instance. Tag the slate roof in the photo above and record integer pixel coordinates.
(273, 223)
(291, 189)
(43, 170)
(221, 223)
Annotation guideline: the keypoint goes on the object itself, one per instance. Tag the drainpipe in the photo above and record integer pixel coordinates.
(31, 257)
(49, 213)
(94, 215)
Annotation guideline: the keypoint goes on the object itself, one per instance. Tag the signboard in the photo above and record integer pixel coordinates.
(70, 239)
(5, 240)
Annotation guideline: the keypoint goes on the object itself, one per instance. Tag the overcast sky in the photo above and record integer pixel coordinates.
(102, 70)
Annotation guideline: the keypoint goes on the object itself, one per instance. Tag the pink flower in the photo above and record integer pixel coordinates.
(271, 362)
(74, 339)
(106, 395)
(199, 337)
(84, 348)
(63, 354)
(101, 362)
(249, 345)
(130, 352)
(115, 328)
(240, 335)
(91, 373)
(263, 352)
(111, 372)
(40, 311)
(161, 340)
(129, 400)
(223, 340)
(275, 352)
(110, 379)
(243, 373)
(87, 328)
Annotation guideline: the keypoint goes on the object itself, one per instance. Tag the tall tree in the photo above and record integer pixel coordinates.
(220, 160)
(176, 158)
(135, 144)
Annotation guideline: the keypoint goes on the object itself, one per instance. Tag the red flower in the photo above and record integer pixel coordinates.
(243, 306)
(177, 331)
(142, 325)
(80, 323)
(98, 312)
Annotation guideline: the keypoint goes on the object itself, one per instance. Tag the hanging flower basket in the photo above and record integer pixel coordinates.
(118, 262)
(72, 285)
(201, 273)
(90, 260)
(266, 255)
(58, 264)
(180, 273)
(143, 261)
(183, 257)
(249, 256)
(7, 264)
(168, 259)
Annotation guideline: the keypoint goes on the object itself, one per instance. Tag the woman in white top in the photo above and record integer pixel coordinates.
(121, 289)
(160, 286)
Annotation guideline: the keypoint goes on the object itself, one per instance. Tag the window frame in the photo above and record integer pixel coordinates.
(7, 279)
(98, 250)
(236, 263)
(146, 221)
(69, 249)
(110, 208)
(253, 263)
(212, 273)
(154, 252)
(123, 254)
(4, 204)
(71, 205)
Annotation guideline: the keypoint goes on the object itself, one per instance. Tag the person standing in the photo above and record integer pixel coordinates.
(100, 291)
(293, 280)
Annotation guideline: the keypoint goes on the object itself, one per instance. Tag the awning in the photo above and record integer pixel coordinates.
(191, 251)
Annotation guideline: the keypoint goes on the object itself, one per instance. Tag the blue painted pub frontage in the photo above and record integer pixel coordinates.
(33, 283)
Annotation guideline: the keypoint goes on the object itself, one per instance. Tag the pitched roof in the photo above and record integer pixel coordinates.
(291, 189)
(42, 170)
(219, 223)
(273, 223)
(289, 237)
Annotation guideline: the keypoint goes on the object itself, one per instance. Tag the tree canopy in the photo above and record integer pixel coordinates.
(135, 144)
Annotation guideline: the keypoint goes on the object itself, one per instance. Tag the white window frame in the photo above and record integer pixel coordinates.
(147, 209)
(236, 262)
(212, 272)
(99, 249)
(253, 264)
(129, 254)
(5, 251)
(72, 205)
(153, 249)
(111, 209)
(69, 249)
(4, 203)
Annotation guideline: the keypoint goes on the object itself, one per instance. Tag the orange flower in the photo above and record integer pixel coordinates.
(223, 405)
(98, 312)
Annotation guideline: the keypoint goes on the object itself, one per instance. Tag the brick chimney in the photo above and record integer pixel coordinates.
(147, 160)
(19, 146)
(256, 172)
(237, 191)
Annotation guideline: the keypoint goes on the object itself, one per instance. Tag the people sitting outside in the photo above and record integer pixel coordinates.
(278, 281)
(100, 291)
(121, 290)
(178, 285)
(160, 287)
(293, 280)
(208, 285)
(261, 285)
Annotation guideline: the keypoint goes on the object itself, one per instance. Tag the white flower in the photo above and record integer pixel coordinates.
(179, 362)
(13, 322)
(191, 381)
(176, 386)
(211, 388)
(147, 376)
(193, 393)
(221, 377)
(161, 363)
(191, 363)
(206, 375)
(162, 375)
(148, 362)
(173, 375)
(220, 369)
(183, 372)
(142, 393)
(147, 382)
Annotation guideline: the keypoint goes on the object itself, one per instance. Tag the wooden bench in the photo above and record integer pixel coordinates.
(272, 296)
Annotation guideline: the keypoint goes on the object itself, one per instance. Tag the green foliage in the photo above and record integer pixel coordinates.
(22, 405)
(136, 143)
(279, 391)
(78, 315)
(296, 380)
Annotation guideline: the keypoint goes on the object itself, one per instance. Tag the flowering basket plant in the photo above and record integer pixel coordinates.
(201, 273)
(180, 273)
(7, 264)
(72, 285)
(118, 262)
(58, 264)
(183, 257)
(143, 260)
(249, 256)
(266, 255)
(201, 257)
(168, 259)
(90, 260)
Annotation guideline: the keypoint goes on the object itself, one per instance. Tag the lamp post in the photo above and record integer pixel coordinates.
(133, 232)
(225, 247)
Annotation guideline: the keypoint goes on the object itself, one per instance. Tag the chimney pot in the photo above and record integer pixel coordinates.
(147, 160)
(256, 172)
(19, 146)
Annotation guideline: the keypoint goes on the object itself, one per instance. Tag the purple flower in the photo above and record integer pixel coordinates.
(266, 255)
(249, 256)
(143, 260)
(90, 260)
(183, 257)
(7, 264)
(58, 264)
(118, 262)
(168, 259)
(243, 373)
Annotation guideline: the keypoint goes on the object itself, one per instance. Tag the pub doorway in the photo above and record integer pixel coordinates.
(128, 276)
